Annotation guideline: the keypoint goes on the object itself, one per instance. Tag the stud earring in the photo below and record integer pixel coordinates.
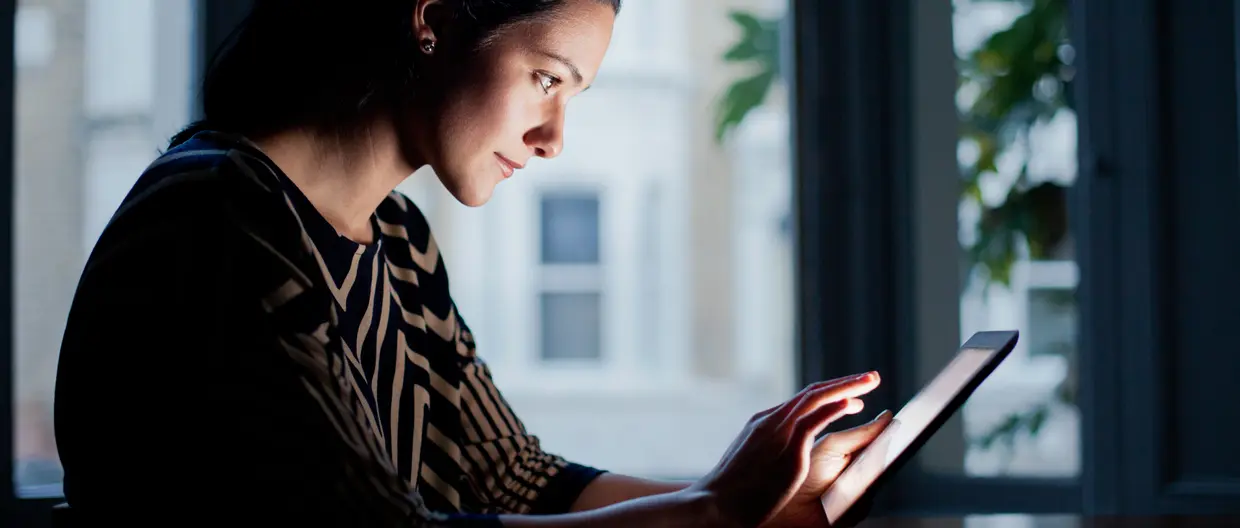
(428, 46)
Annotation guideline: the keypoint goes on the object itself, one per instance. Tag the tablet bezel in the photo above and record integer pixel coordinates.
(1001, 342)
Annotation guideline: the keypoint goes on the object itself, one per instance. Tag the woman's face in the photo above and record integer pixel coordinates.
(506, 104)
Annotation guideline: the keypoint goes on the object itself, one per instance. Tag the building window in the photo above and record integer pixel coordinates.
(570, 229)
(570, 326)
(570, 298)
(100, 86)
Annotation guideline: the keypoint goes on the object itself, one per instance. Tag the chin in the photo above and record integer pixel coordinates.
(475, 199)
(469, 193)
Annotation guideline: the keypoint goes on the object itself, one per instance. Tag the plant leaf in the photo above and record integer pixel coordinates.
(742, 97)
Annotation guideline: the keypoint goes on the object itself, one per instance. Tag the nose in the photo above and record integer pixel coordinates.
(547, 139)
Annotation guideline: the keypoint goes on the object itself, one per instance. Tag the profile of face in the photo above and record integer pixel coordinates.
(496, 109)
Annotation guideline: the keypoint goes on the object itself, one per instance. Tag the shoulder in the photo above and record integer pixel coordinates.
(411, 243)
(415, 256)
(210, 173)
(206, 199)
(400, 217)
(211, 180)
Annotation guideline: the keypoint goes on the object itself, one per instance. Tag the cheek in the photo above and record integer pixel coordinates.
(514, 113)
(492, 117)
(461, 132)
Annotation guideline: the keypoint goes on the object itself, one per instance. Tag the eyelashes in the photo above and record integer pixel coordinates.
(547, 81)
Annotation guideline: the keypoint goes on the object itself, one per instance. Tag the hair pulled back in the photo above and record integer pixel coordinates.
(331, 65)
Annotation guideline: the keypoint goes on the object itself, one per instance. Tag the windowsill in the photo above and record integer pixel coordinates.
(42, 491)
(634, 388)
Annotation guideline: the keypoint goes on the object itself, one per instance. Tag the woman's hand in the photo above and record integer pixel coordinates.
(769, 463)
(830, 456)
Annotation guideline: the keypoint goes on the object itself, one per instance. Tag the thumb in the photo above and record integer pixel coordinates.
(833, 452)
(850, 441)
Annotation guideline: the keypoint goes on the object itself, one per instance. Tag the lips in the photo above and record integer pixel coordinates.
(507, 166)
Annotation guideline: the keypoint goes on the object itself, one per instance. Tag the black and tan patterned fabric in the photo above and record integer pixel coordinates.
(228, 351)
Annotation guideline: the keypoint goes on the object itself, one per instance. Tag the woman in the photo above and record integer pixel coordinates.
(265, 329)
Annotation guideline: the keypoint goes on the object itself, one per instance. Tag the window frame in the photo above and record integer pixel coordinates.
(1151, 108)
(214, 21)
(855, 155)
(8, 20)
(23, 511)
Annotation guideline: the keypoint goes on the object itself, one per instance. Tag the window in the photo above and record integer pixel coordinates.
(1018, 157)
(570, 304)
(1024, 422)
(980, 228)
(571, 326)
(100, 86)
(570, 230)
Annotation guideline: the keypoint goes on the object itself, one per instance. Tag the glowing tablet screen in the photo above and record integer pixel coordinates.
(914, 418)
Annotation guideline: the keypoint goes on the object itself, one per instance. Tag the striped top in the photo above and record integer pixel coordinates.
(297, 373)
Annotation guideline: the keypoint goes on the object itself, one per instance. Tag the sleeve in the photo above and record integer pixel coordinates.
(187, 391)
(504, 460)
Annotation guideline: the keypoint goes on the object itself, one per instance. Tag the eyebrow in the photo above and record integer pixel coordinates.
(567, 64)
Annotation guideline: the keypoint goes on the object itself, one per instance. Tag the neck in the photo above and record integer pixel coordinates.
(344, 182)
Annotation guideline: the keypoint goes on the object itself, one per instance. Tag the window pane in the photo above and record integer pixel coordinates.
(1018, 158)
(693, 285)
(570, 326)
(570, 229)
(101, 85)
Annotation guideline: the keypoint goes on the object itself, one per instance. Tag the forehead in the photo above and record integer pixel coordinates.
(578, 30)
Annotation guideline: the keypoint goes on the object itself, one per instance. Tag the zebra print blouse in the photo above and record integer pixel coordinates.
(227, 351)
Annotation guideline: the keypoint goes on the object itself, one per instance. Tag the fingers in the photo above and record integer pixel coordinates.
(833, 452)
(810, 424)
(821, 394)
(782, 410)
(814, 387)
(852, 440)
(765, 413)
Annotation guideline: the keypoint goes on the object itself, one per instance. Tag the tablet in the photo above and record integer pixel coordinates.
(917, 421)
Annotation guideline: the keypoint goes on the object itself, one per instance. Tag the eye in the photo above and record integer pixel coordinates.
(546, 81)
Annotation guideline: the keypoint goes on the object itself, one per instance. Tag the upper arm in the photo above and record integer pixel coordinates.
(505, 464)
(505, 460)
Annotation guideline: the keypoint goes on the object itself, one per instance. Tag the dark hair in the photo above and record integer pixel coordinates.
(330, 65)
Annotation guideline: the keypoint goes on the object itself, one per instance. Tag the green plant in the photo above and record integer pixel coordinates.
(1020, 76)
(758, 48)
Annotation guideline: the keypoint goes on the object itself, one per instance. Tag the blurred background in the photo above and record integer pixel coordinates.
(757, 194)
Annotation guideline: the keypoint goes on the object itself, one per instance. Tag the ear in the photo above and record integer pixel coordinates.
(427, 23)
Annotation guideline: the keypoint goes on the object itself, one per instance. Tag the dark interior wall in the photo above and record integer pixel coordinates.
(1160, 196)
(1203, 351)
